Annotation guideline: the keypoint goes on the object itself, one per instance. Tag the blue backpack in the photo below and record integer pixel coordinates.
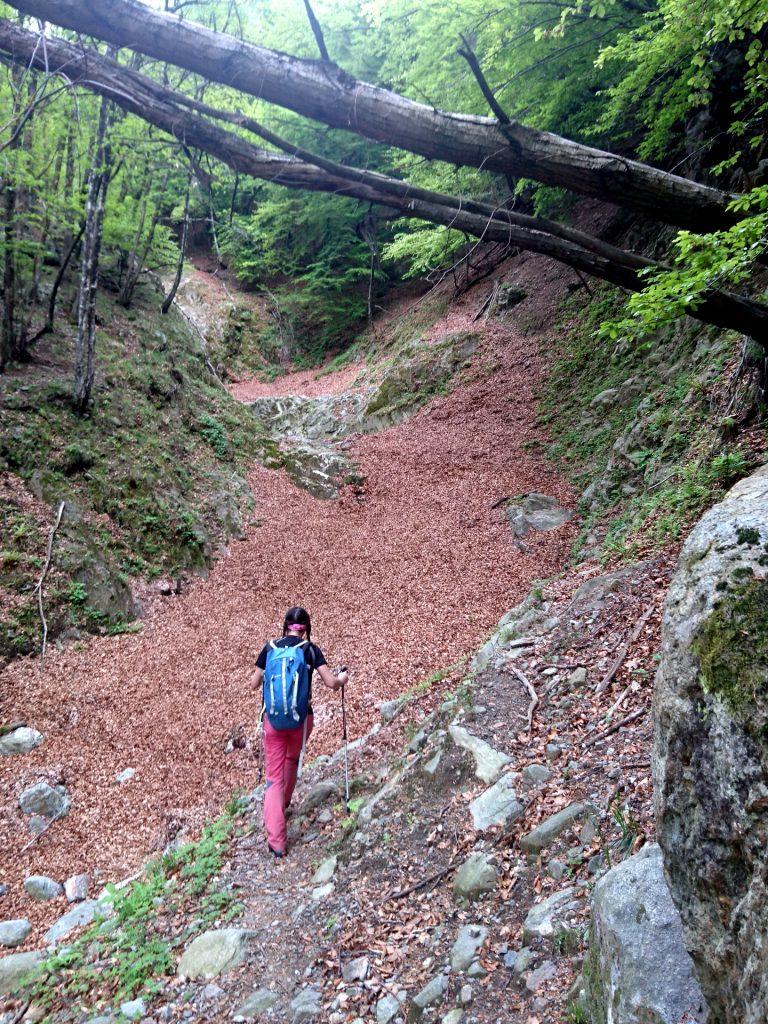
(286, 686)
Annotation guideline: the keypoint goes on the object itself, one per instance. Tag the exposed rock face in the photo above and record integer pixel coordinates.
(711, 750)
(20, 741)
(639, 969)
(215, 952)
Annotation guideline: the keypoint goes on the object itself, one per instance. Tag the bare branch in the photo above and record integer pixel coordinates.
(317, 32)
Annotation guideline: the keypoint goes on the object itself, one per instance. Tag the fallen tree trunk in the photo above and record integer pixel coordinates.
(167, 110)
(322, 91)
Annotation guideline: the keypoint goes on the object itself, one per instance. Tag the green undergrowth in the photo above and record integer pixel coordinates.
(130, 949)
(643, 429)
(153, 477)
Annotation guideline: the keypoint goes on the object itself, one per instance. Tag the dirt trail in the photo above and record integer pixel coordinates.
(399, 584)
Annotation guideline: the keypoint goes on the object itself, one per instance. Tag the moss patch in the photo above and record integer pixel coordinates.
(732, 649)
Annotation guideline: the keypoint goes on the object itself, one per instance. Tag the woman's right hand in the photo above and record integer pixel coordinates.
(342, 678)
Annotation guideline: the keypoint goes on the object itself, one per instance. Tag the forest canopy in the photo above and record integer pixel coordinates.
(680, 86)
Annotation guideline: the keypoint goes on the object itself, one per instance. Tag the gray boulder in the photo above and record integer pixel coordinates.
(488, 761)
(319, 795)
(544, 919)
(639, 969)
(433, 992)
(80, 915)
(387, 1008)
(76, 888)
(214, 952)
(538, 512)
(133, 1009)
(15, 967)
(307, 1004)
(20, 741)
(13, 933)
(465, 948)
(548, 831)
(44, 800)
(476, 876)
(41, 887)
(498, 805)
(257, 1002)
(325, 872)
(710, 758)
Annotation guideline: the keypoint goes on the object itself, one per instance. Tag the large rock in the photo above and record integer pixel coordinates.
(318, 795)
(538, 512)
(468, 942)
(80, 915)
(488, 761)
(13, 933)
(307, 1004)
(498, 805)
(20, 741)
(41, 887)
(15, 967)
(638, 969)
(257, 1002)
(544, 919)
(476, 876)
(47, 801)
(214, 952)
(711, 750)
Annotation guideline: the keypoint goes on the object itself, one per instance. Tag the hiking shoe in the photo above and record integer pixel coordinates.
(275, 853)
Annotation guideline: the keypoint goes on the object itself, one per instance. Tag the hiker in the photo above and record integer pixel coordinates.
(284, 670)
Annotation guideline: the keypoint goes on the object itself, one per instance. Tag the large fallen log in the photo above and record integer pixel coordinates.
(324, 92)
(171, 112)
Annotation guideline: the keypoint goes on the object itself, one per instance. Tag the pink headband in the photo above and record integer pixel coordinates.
(298, 626)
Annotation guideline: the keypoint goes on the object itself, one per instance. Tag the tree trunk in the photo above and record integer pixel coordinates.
(322, 91)
(161, 107)
(168, 301)
(85, 343)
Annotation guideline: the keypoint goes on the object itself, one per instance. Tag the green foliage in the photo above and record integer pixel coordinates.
(129, 953)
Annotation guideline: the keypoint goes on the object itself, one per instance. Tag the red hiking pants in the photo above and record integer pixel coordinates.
(282, 750)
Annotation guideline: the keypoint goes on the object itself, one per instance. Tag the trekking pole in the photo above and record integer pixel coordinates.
(344, 738)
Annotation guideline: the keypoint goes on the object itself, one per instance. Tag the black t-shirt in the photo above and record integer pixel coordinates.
(313, 656)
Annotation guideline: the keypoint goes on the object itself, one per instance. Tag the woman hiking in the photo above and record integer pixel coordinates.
(284, 670)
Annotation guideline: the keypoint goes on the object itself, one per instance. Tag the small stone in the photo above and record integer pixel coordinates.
(80, 915)
(214, 952)
(213, 991)
(577, 678)
(390, 709)
(41, 887)
(20, 741)
(133, 1009)
(321, 891)
(510, 959)
(387, 1008)
(430, 767)
(257, 1002)
(553, 751)
(325, 872)
(76, 888)
(556, 869)
(15, 967)
(465, 996)
(432, 992)
(453, 1017)
(476, 876)
(325, 816)
(3, 889)
(523, 960)
(355, 970)
(540, 976)
(306, 1004)
(488, 762)
(595, 864)
(588, 832)
(13, 933)
(542, 919)
(476, 970)
(496, 806)
(48, 801)
(319, 794)
(125, 775)
(418, 741)
(549, 829)
(469, 940)
(536, 774)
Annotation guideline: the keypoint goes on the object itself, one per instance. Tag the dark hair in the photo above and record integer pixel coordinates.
(297, 617)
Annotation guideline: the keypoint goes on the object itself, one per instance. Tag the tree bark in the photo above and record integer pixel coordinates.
(168, 301)
(322, 91)
(85, 342)
(161, 107)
